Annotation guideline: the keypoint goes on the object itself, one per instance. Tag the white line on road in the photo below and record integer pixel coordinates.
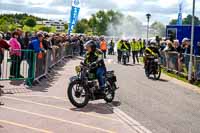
(24, 126)
(60, 108)
(130, 121)
(58, 119)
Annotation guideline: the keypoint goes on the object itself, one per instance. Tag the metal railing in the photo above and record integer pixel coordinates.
(179, 63)
(18, 66)
(30, 67)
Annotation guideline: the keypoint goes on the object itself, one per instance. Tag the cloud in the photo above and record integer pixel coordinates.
(161, 10)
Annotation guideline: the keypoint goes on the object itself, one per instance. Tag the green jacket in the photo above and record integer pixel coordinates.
(135, 46)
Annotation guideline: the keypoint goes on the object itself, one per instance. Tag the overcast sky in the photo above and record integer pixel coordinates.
(161, 10)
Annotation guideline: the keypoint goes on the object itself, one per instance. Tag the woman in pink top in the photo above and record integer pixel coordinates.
(15, 55)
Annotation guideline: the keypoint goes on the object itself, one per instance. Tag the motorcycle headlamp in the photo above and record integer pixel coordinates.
(78, 69)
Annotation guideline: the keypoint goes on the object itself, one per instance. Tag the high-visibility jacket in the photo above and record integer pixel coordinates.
(124, 46)
(135, 46)
(103, 45)
(141, 45)
(119, 45)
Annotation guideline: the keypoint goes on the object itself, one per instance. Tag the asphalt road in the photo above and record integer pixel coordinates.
(45, 108)
(162, 106)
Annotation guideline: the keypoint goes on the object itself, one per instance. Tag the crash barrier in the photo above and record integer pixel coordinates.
(31, 66)
(179, 63)
(17, 66)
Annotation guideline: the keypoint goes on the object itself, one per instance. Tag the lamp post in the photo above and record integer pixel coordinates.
(148, 19)
(192, 43)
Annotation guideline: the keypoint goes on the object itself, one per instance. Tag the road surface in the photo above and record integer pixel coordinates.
(141, 105)
(164, 106)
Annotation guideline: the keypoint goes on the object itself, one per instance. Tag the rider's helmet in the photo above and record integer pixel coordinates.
(91, 44)
(152, 43)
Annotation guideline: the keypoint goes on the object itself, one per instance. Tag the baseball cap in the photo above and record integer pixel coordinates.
(185, 40)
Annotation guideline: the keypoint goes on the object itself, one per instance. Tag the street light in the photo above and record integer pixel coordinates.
(192, 43)
(148, 19)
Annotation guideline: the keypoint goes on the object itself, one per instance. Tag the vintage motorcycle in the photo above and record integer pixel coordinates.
(125, 57)
(84, 87)
(153, 67)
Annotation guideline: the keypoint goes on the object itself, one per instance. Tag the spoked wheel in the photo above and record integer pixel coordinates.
(157, 73)
(124, 61)
(147, 73)
(77, 94)
(110, 93)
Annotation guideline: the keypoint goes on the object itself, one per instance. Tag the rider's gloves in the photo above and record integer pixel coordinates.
(93, 64)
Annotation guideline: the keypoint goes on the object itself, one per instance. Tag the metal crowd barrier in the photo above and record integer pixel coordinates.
(52, 57)
(179, 63)
(30, 67)
(18, 66)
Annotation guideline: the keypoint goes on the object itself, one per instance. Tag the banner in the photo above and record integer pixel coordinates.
(74, 15)
(179, 20)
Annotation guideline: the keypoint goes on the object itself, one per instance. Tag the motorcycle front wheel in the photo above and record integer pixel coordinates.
(77, 94)
(157, 74)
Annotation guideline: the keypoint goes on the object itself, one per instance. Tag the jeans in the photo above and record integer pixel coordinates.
(100, 73)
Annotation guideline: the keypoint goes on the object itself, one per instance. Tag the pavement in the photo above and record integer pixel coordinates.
(45, 108)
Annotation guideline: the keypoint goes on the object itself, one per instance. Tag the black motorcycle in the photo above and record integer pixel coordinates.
(153, 67)
(84, 87)
(125, 57)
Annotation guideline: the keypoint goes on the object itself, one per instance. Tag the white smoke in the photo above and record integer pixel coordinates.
(128, 27)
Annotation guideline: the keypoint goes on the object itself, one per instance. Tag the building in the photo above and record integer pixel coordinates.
(59, 25)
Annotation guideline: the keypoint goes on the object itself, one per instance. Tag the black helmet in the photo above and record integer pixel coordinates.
(91, 44)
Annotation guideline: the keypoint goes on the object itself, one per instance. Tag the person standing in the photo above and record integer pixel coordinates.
(15, 54)
(37, 47)
(119, 51)
(141, 47)
(111, 46)
(103, 47)
(3, 45)
(135, 49)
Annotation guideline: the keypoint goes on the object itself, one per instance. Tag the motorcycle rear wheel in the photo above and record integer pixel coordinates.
(77, 94)
(110, 95)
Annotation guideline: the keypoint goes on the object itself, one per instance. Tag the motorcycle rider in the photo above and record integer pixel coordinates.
(94, 58)
(151, 50)
(126, 47)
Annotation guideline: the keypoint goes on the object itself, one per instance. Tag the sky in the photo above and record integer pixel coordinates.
(161, 10)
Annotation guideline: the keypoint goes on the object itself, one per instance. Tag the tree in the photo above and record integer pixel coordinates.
(66, 26)
(31, 22)
(173, 22)
(186, 21)
(82, 26)
(4, 25)
(47, 29)
(159, 27)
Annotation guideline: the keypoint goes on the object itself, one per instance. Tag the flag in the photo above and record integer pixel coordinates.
(74, 14)
(179, 20)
